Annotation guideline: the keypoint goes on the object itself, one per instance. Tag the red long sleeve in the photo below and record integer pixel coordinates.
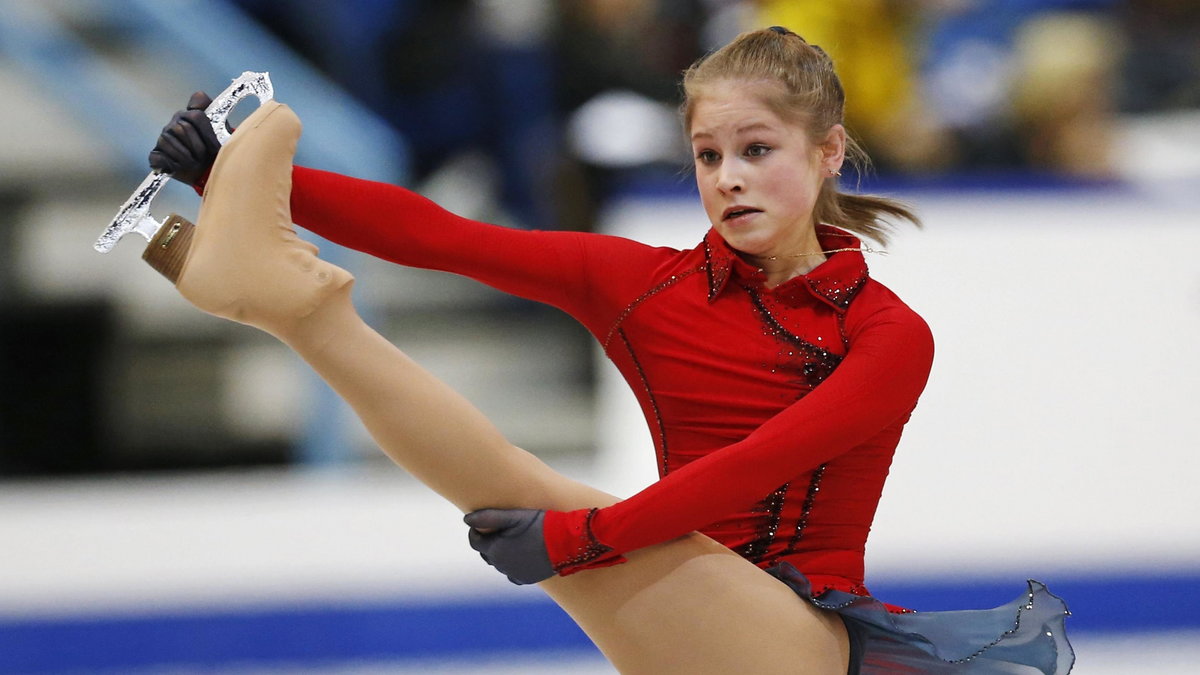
(390, 222)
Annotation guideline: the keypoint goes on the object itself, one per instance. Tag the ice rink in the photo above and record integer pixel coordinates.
(1055, 441)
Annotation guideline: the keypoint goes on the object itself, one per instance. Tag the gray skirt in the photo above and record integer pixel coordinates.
(1026, 635)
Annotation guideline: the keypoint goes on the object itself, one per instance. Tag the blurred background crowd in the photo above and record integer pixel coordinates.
(529, 113)
(559, 98)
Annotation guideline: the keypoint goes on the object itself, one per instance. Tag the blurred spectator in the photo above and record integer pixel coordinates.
(869, 41)
(545, 105)
(618, 67)
(1064, 92)
(1162, 70)
(482, 88)
(640, 46)
(462, 79)
(1024, 83)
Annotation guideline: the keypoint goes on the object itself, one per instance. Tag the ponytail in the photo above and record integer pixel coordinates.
(865, 215)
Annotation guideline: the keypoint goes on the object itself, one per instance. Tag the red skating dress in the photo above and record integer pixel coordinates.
(775, 412)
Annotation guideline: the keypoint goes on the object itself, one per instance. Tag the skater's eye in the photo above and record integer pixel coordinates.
(757, 150)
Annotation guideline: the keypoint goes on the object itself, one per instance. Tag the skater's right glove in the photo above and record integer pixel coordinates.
(187, 146)
(529, 545)
(511, 541)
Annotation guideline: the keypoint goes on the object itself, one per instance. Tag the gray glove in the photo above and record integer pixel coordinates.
(511, 541)
(187, 146)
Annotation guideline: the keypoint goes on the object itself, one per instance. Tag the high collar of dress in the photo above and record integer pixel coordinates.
(834, 282)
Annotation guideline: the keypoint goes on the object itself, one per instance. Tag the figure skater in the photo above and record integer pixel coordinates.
(775, 374)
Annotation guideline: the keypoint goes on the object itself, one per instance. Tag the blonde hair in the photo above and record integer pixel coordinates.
(810, 94)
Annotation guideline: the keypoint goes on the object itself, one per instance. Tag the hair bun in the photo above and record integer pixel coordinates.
(785, 31)
(780, 29)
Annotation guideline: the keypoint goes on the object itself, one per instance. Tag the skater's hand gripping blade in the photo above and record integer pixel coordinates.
(134, 215)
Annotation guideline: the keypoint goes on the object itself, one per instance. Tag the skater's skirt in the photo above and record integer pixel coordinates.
(1026, 635)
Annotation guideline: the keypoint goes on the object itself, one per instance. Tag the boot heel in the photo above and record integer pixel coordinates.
(169, 248)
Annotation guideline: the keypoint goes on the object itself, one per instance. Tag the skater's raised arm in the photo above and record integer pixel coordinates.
(589, 276)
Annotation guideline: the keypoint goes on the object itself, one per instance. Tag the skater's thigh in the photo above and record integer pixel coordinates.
(690, 605)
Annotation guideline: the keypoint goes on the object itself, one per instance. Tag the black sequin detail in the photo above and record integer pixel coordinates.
(817, 363)
(771, 509)
(814, 486)
(589, 552)
(716, 276)
(658, 420)
(671, 281)
(836, 291)
(842, 331)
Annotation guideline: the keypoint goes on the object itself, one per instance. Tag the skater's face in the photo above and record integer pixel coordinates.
(759, 175)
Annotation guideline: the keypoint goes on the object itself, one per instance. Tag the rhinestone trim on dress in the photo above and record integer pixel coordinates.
(589, 552)
(717, 275)
(658, 420)
(772, 509)
(814, 486)
(674, 279)
(819, 363)
(835, 292)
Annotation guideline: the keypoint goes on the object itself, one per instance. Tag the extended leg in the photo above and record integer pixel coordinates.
(685, 606)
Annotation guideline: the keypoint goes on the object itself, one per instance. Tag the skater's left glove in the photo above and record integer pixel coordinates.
(187, 146)
(511, 540)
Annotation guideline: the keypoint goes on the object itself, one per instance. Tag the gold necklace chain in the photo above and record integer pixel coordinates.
(864, 249)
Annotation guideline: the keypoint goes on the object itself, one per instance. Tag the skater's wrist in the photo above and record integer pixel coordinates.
(573, 546)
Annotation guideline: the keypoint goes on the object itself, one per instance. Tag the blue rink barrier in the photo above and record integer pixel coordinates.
(463, 630)
(303, 635)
